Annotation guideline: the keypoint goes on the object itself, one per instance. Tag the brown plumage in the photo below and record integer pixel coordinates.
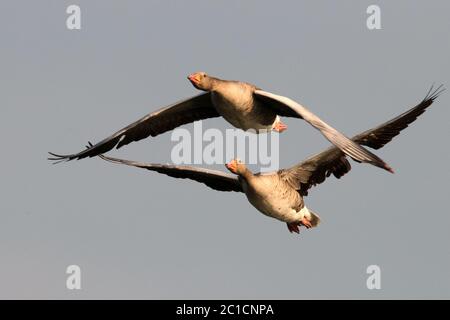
(242, 104)
(280, 194)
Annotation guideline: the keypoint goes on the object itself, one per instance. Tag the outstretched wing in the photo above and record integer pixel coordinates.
(165, 119)
(317, 168)
(287, 107)
(214, 179)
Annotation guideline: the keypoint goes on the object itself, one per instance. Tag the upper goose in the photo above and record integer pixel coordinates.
(242, 104)
(279, 194)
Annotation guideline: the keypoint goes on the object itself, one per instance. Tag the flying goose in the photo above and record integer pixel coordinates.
(243, 105)
(279, 194)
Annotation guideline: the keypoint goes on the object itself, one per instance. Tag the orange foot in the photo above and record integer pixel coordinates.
(279, 127)
(306, 223)
(293, 227)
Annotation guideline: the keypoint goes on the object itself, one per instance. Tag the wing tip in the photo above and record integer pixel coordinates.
(383, 165)
(388, 168)
(58, 158)
(434, 93)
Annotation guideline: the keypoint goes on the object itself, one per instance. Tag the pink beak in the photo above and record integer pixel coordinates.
(193, 78)
(231, 166)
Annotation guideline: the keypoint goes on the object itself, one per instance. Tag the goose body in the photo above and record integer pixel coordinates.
(280, 194)
(234, 101)
(272, 196)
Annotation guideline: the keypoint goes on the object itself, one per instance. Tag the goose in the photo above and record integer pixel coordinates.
(242, 104)
(279, 194)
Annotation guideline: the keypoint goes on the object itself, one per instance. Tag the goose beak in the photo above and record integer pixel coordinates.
(194, 78)
(232, 166)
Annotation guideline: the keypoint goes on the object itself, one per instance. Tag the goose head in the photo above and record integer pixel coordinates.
(201, 81)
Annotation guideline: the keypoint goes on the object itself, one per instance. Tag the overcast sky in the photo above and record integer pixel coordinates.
(137, 234)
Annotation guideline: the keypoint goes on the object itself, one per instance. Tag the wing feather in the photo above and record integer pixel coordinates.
(214, 179)
(287, 107)
(317, 168)
(196, 108)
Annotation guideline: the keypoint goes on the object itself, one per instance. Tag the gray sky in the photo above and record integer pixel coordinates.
(137, 234)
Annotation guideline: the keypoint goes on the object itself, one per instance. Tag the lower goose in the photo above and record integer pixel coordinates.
(280, 194)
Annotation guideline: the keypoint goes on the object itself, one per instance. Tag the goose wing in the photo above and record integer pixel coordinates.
(195, 108)
(214, 179)
(317, 168)
(287, 107)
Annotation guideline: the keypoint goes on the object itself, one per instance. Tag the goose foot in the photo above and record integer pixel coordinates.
(293, 227)
(279, 127)
(306, 223)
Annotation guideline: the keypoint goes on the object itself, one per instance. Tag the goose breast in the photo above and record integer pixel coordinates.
(273, 197)
(235, 103)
